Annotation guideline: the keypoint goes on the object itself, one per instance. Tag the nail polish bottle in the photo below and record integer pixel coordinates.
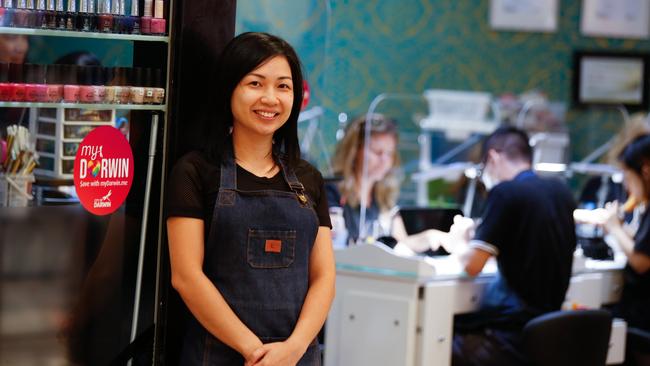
(145, 21)
(120, 23)
(16, 83)
(158, 23)
(147, 82)
(40, 18)
(137, 90)
(29, 82)
(60, 15)
(134, 18)
(121, 83)
(109, 76)
(83, 20)
(105, 18)
(159, 88)
(70, 83)
(115, 12)
(35, 89)
(71, 16)
(92, 15)
(5, 87)
(50, 14)
(22, 16)
(86, 90)
(99, 84)
(10, 13)
(31, 14)
(54, 84)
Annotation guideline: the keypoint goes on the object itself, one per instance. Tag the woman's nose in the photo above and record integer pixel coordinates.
(269, 97)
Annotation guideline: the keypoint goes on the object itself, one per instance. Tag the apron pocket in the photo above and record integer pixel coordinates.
(271, 248)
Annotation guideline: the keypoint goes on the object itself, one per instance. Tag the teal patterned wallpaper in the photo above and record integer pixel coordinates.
(364, 48)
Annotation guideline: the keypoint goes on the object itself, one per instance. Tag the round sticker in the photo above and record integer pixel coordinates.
(103, 170)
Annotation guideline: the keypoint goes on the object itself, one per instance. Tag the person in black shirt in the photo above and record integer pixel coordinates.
(528, 226)
(634, 306)
(249, 234)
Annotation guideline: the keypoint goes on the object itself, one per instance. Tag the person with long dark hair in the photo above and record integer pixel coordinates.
(634, 305)
(248, 225)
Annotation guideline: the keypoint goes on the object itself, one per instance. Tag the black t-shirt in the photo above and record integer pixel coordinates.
(528, 225)
(635, 301)
(193, 186)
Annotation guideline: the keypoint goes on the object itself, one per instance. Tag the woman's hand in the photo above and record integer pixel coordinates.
(285, 353)
(254, 356)
(462, 229)
(610, 220)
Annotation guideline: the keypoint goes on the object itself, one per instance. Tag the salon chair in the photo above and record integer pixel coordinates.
(637, 351)
(568, 338)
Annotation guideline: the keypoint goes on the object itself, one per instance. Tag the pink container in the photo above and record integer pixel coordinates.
(71, 93)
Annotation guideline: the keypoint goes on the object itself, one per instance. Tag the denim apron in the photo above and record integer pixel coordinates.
(257, 255)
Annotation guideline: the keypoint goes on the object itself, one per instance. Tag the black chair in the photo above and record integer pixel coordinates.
(637, 351)
(568, 338)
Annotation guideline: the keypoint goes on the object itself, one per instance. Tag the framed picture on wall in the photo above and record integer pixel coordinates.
(615, 18)
(607, 78)
(524, 15)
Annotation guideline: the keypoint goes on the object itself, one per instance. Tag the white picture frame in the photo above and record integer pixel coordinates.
(612, 79)
(615, 18)
(524, 15)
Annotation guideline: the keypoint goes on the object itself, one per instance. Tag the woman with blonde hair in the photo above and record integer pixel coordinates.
(383, 178)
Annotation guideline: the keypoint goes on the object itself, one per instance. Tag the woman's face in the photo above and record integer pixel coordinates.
(381, 156)
(13, 48)
(634, 184)
(261, 102)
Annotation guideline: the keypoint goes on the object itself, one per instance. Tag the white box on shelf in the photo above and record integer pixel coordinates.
(458, 113)
(58, 137)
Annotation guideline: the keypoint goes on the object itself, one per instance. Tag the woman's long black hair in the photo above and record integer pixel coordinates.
(635, 155)
(242, 55)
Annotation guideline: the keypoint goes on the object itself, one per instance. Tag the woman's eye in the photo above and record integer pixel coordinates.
(254, 83)
(285, 86)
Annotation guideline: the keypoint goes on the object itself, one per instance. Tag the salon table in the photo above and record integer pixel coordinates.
(398, 309)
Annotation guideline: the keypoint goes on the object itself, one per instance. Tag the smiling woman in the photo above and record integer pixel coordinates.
(248, 224)
(261, 103)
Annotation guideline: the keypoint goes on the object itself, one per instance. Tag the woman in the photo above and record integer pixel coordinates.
(248, 226)
(381, 190)
(382, 186)
(635, 300)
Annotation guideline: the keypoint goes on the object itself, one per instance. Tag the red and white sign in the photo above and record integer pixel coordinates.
(103, 170)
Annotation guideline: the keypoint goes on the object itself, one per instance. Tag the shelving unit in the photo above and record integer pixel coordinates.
(132, 107)
(60, 136)
(76, 34)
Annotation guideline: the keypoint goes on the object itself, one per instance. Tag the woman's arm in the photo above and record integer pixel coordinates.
(315, 308)
(199, 293)
(639, 261)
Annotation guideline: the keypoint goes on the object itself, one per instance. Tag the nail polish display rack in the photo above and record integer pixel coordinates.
(105, 16)
(59, 126)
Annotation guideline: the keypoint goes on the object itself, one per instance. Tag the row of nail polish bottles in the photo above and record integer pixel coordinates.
(84, 84)
(108, 16)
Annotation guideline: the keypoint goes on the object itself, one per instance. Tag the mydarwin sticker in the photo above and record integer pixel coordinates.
(103, 170)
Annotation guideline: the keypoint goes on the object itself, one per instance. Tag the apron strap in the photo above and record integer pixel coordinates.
(292, 180)
(228, 179)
